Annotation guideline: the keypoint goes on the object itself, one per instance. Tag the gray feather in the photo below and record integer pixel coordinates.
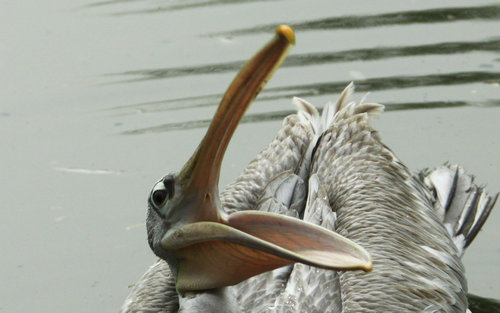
(335, 172)
(382, 207)
(154, 292)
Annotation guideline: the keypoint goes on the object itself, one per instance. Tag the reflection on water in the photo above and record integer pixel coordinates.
(482, 305)
(396, 82)
(178, 5)
(378, 53)
(441, 15)
(287, 92)
(279, 115)
(486, 75)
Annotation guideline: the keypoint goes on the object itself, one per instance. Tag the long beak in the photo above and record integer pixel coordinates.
(212, 250)
(200, 174)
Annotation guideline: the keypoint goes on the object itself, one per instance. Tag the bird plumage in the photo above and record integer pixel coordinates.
(324, 192)
(335, 172)
(380, 205)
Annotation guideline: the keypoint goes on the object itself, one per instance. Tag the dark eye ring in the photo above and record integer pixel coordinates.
(162, 191)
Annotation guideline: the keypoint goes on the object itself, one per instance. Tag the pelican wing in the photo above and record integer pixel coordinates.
(382, 207)
(266, 185)
(298, 287)
(410, 224)
(289, 151)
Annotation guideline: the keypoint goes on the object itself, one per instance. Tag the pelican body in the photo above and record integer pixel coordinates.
(324, 219)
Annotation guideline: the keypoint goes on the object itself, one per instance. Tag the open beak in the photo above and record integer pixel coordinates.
(213, 250)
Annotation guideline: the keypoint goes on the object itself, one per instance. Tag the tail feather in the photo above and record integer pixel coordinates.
(477, 214)
(462, 205)
(308, 113)
(343, 108)
(344, 96)
(330, 109)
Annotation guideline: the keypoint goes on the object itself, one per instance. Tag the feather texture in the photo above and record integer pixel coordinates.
(381, 206)
(333, 170)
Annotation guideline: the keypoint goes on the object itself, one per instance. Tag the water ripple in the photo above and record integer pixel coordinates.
(379, 53)
(439, 15)
(181, 5)
(317, 89)
(279, 115)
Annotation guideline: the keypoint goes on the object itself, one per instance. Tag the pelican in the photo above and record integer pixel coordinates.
(324, 219)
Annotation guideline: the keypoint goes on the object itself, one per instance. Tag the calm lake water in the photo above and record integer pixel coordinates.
(101, 98)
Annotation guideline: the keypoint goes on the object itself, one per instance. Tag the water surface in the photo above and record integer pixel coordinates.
(101, 98)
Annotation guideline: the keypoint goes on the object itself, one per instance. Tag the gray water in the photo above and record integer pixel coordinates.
(98, 99)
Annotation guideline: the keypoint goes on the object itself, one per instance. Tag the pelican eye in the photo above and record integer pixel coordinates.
(158, 197)
(162, 191)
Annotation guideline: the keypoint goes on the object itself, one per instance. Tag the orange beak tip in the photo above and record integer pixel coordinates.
(287, 32)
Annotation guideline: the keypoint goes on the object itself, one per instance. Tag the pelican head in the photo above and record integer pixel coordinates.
(208, 249)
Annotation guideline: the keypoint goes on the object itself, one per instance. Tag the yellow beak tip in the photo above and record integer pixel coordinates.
(287, 32)
(367, 267)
